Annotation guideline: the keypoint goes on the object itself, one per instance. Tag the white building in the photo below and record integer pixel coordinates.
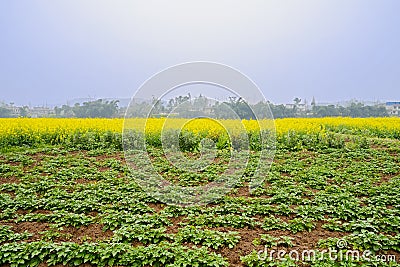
(41, 112)
(298, 107)
(393, 108)
(15, 111)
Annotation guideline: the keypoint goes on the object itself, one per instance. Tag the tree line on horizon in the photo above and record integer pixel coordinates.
(188, 107)
(236, 107)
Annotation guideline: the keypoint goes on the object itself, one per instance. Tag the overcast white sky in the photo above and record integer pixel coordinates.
(52, 51)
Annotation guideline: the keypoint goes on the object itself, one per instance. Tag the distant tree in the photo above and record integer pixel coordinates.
(5, 112)
(23, 111)
(156, 107)
(96, 109)
(64, 111)
(280, 111)
(188, 107)
(326, 111)
(241, 108)
(356, 110)
(263, 109)
(138, 109)
(313, 102)
(313, 106)
(223, 111)
(57, 111)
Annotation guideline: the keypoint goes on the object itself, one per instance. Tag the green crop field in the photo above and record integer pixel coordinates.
(63, 205)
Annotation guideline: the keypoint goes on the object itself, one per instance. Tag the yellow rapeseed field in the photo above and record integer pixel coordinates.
(21, 126)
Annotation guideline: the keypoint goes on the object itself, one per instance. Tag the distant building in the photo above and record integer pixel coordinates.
(41, 112)
(9, 110)
(298, 107)
(393, 108)
(14, 111)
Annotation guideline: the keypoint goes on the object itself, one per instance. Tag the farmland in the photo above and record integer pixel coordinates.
(67, 196)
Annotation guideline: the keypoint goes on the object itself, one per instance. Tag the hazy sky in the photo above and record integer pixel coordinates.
(55, 50)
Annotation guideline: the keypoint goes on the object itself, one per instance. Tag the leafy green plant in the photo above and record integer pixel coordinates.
(266, 240)
(103, 254)
(273, 223)
(7, 235)
(300, 224)
(261, 260)
(208, 238)
(146, 234)
(271, 241)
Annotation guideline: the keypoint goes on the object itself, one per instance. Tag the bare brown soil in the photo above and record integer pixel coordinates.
(9, 180)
